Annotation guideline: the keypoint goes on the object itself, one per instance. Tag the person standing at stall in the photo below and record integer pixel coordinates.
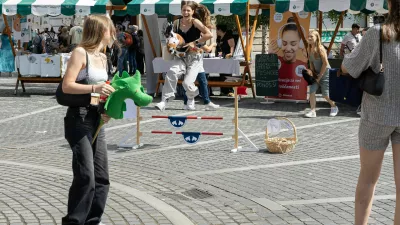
(226, 45)
(140, 53)
(88, 193)
(351, 40)
(6, 54)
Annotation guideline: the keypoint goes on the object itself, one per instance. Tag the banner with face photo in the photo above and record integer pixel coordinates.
(286, 41)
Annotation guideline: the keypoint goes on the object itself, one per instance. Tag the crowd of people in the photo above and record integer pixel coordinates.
(380, 117)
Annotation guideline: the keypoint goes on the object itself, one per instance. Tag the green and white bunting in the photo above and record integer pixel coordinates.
(53, 7)
(173, 7)
(353, 6)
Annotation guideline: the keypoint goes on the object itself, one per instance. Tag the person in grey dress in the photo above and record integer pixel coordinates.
(380, 115)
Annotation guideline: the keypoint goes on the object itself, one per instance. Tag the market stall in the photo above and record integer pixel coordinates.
(216, 7)
(43, 68)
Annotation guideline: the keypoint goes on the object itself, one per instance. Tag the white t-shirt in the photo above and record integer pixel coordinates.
(350, 42)
(76, 35)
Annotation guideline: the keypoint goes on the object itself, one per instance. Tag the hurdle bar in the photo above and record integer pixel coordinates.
(183, 132)
(235, 137)
(190, 117)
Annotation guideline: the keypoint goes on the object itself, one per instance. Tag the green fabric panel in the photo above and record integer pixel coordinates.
(209, 4)
(133, 7)
(311, 5)
(385, 5)
(68, 7)
(99, 7)
(282, 6)
(267, 1)
(266, 12)
(25, 7)
(327, 36)
(117, 2)
(120, 12)
(238, 7)
(162, 7)
(366, 11)
(1, 5)
(357, 5)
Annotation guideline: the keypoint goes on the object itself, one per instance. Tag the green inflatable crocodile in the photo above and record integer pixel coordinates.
(125, 87)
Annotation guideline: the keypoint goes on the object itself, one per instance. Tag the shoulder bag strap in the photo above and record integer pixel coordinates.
(178, 25)
(380, 44)
(87, 66)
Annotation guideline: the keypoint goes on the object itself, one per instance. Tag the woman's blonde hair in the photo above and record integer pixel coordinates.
(94, 28)
(318, 47)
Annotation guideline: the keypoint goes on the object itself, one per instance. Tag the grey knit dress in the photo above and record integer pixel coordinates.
(384, 109)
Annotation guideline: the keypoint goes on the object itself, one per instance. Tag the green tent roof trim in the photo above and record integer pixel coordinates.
(329, 5)
(54, 7)
(173, 7)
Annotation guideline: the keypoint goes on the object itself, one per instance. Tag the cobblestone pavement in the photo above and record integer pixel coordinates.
(170, 182)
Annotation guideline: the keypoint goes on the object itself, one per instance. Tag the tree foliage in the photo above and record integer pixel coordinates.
(230, 21)
(334, 16)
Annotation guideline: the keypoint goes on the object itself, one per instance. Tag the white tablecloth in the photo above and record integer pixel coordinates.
(211, 65)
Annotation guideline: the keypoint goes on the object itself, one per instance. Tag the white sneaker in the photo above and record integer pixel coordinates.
(211, 106)
(190, 104)
(186, 107)
(334, 111)
(161, 106)
(311, 114)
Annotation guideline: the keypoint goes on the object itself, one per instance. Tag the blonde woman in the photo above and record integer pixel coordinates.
(88, 193)
(380, 116)
(319, 65)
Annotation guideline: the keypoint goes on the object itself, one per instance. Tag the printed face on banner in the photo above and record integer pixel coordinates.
(287, 43)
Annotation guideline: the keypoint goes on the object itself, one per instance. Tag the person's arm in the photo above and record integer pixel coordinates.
(209, 48)
(206, 33)
(231, 43)
(342, 46)
(70, 36)
(364, 55)
(325, 63)
(76, 64)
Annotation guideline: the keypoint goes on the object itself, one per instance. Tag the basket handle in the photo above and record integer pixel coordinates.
(290, 122)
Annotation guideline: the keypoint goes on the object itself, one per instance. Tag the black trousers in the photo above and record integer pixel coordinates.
(140, 62)
(88, 192)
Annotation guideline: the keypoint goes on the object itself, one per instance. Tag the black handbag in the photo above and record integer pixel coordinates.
(371, 82)
(74, 100)
(309, 78)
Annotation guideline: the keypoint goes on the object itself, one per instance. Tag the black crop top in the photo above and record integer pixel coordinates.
(191, 35)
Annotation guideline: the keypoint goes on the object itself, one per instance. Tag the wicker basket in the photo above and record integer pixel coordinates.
(281, 144)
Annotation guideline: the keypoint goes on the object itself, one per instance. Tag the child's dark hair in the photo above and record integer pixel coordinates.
(222, 27)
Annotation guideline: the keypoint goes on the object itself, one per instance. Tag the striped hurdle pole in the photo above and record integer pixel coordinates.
(183, 132)
(190, 117)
